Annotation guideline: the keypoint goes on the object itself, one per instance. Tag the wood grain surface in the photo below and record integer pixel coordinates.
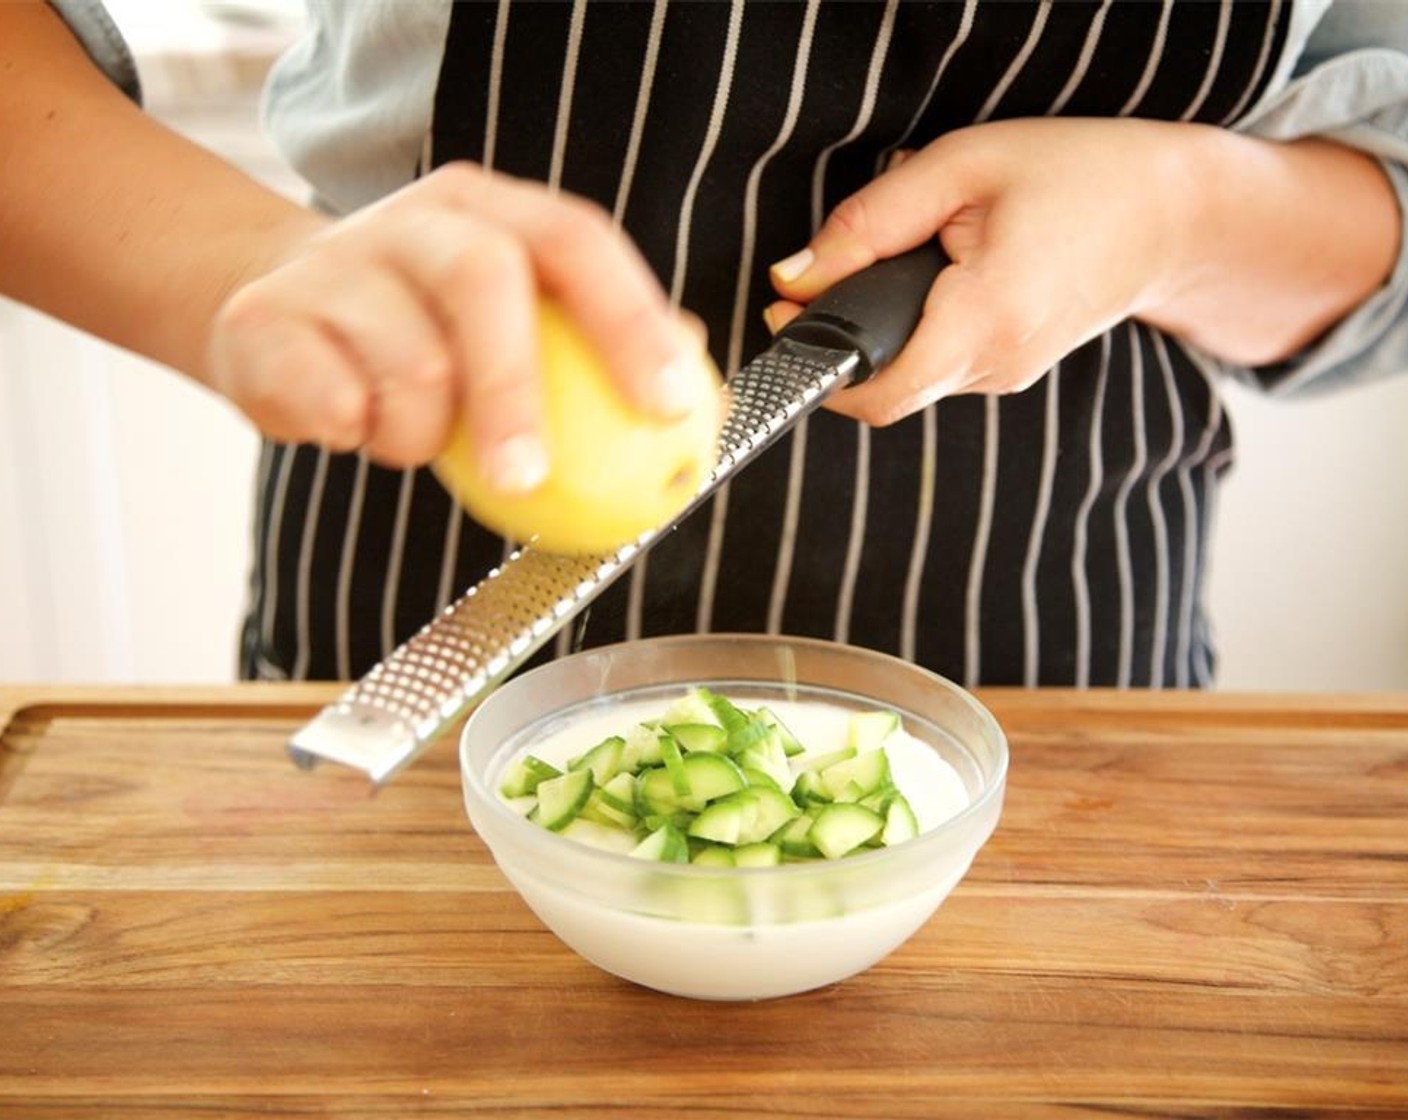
(1193, 906)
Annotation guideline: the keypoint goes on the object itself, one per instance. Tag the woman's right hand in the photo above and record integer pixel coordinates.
(378, 330)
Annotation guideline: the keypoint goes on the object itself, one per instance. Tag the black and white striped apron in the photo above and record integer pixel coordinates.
(1057, 537)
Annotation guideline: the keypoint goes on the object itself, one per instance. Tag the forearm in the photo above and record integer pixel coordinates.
(110, 221)
(1285, 240)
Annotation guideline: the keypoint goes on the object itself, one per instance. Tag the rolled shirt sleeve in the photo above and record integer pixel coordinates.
(1350, 85)
(93, 27)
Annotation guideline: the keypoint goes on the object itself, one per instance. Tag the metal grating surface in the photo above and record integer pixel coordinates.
(402, 704)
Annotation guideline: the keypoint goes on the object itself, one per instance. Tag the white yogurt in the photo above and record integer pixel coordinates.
(773, 948)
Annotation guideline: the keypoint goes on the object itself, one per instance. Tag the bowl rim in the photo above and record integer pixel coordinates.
(929, 839)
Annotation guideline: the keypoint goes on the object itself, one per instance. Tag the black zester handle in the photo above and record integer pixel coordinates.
(873, 312)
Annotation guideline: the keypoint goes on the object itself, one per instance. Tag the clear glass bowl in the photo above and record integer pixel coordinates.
(732, 933)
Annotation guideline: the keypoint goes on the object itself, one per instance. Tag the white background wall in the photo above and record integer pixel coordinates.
(125, 492)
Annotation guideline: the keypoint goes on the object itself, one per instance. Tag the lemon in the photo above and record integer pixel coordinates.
(613, 473)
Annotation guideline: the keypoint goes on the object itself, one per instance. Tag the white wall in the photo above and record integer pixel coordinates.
(1310, 579)
(125, 491)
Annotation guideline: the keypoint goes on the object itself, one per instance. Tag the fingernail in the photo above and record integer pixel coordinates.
(677, 387)
(518, 465)
(792, 267)
(770, 319)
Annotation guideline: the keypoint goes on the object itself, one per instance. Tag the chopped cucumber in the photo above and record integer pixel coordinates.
(525, 775)
(761, 854)
(808, 789)
(900, 822)
(680, 820)
(711, 776)
(561, 799)
(793, 839)
(713, 855)
(726, 714)
(674, 765)
(642, 748)
(868, 772)
(772, 810)
(691, 708)
(620, 793)
(599, 809)
(658, 793)
(700, 737)
(790, 745)
(665, 844)
(769, 756)
(869, 730)
(603, 760)
(598, 835)
(840, 829)
(746, 735)
(758, 778)
(802, 763)
(720, 786)
(723, 821)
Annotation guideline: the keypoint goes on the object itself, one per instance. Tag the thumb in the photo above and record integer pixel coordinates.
(900, 209)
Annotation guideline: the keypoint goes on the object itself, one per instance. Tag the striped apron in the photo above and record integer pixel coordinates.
(1055, 537)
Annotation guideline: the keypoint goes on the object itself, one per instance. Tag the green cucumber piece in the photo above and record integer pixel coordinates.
(769, 756)
(879, 800)
(848, 794)
(599, 809)
(869, 730)
(808, 789)
(713, 855)
(620, 793)
(772, 810)
(598, 835)
(525, 775)
(840, 829)
(642, 748)
(746, 817)
(726, 714)
(758, 778)
(691, 708)
(674, 765)
(700, 737)
(792, 838)
(803, 763)
(900, 822)
(665, 844)
(657, 793)
(868, 772)
(723, 822)
(790, 745)
(680, 820)
(761, 854)
(746, 735)
(561, 799)
(711, 776)
(603, 760)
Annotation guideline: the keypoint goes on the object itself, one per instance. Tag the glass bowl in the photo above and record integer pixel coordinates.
(732, 933)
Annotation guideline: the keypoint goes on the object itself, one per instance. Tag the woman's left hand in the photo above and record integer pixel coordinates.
(1060, 228)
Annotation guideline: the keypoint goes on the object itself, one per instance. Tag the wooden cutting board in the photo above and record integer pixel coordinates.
(1193, 905)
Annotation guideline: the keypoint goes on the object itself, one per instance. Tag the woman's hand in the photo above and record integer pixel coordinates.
(1058, 229)
(378, 330)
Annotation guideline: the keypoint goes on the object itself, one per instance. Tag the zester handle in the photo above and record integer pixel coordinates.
(404, 703)
(873, 312)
